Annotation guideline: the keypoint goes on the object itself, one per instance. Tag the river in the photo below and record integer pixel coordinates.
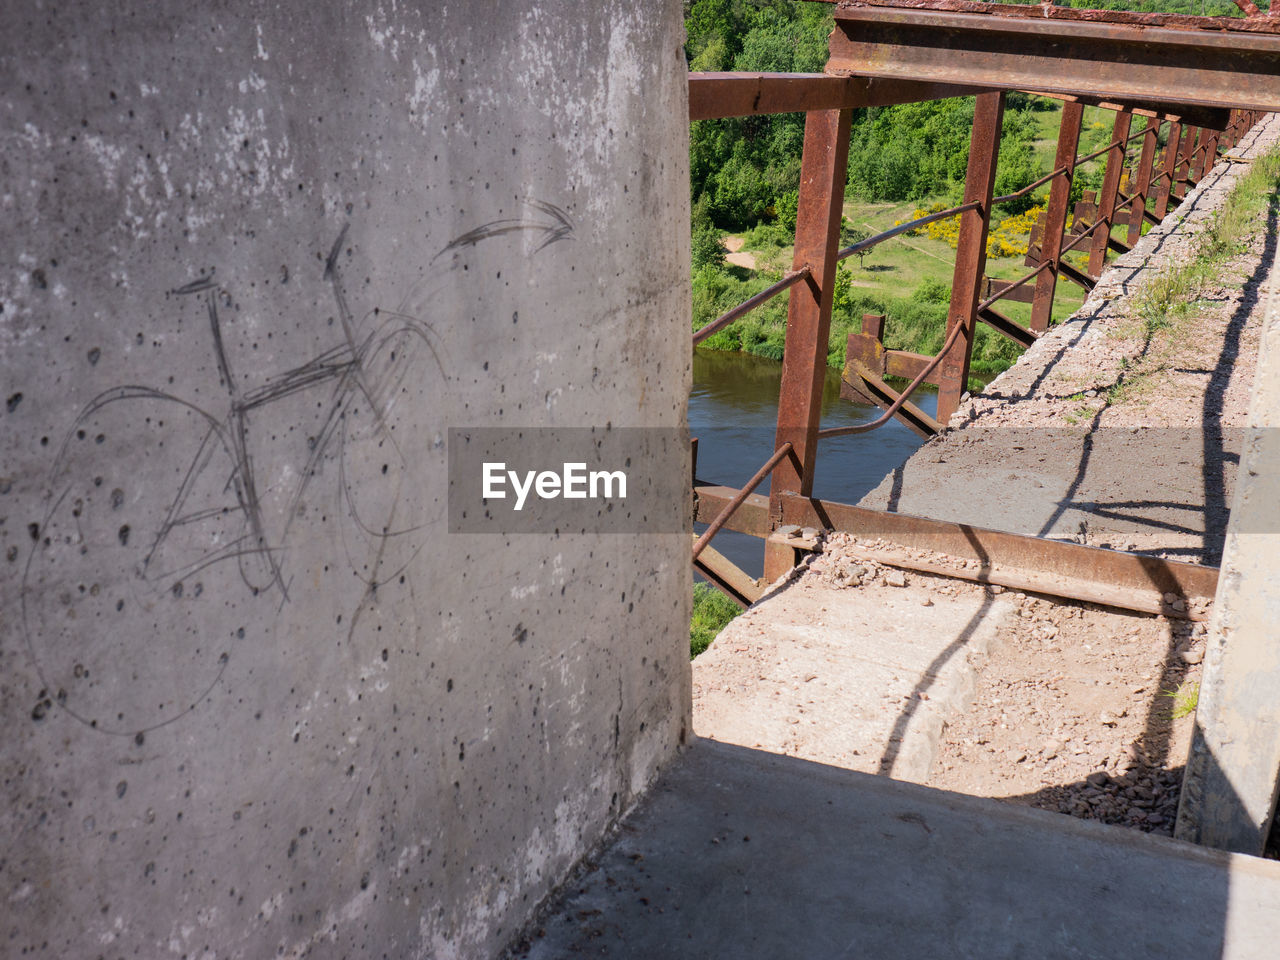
(733, 412)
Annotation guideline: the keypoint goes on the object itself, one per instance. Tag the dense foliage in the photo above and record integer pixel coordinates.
(745, 170)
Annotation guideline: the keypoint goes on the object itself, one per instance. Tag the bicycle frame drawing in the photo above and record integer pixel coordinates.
(113, 587)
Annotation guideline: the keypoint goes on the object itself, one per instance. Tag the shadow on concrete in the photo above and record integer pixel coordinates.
(903, 721)
(740, 854)
(1215, 454)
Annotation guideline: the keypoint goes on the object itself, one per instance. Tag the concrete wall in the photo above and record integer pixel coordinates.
(256, 700)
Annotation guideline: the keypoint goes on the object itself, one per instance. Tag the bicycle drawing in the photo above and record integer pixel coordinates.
(119, 594)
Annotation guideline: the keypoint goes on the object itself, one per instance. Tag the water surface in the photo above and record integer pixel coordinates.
(733, 412)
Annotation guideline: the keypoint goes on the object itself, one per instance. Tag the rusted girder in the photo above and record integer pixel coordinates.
(1211, 61)
(716, 95)
(1111, 577)
(1215, 118)
(823, 170)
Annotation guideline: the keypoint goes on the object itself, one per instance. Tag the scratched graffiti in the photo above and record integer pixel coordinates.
(165, 544)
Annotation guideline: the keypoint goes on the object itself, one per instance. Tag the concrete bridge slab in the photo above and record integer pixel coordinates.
(743, 854)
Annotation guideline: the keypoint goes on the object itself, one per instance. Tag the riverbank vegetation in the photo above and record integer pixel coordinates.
(712, 610)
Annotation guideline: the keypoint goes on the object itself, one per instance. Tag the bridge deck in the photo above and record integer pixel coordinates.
(738, 853)
(1088, 438)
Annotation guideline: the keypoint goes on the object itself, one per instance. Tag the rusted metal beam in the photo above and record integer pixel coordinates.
(1211, 150)
(713, 96)
(1212, 61)
(1185, 148)
(1143, 185)
(823, 169)
(1018, 294)
(1014, 331)
(1056, 215)
(1199, 155)
(1107, 201)
(1054, 567)
(866, 384)
(1168, 171)
(732, 580)
(971, 250)
(871, 353)
(1078, 277)
(1216, 118)
(900, 399)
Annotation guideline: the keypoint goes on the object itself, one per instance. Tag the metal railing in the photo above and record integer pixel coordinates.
(827, 101)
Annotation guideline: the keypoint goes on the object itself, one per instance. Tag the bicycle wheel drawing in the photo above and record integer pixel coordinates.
(387, 507)
(142, 575)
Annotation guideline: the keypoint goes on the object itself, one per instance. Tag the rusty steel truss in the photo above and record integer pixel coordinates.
(1209, 79)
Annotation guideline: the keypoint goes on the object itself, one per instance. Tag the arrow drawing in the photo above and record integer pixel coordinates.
(559, 228)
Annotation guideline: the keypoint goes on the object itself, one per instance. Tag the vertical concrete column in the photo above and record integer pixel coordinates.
(971, 250)
(1232, 776)
(1055, 216)
(257, 259)
(804, 365)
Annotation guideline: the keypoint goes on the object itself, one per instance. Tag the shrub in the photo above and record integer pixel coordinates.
(712, 611)
(708, 248)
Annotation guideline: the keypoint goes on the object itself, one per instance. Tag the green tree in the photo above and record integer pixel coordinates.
(708, 248)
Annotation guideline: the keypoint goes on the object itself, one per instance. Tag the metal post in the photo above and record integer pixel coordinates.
(1138, 208)
(1169, 170)
(1110, 188)
(1184, 160)
(1210, 151)
(1055, 216)
(823, 171)
(971, 251)
(1197, 156)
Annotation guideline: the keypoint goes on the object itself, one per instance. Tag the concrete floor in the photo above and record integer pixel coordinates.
(863, 679)
(742, 854)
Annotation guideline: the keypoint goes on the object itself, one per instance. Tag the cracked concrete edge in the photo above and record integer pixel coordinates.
(1233, 768)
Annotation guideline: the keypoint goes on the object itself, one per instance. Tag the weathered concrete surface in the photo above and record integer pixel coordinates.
(863, 679)
(742, 854)
(1233, 769)
(256, 700)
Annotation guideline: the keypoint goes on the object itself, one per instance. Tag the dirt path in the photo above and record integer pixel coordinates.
(737, 256)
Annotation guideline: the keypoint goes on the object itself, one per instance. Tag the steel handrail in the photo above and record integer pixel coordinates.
(1113, 143)
(739, 498)
(879, 238)
(795, 276)
(1011, 287)
(792, 278)
(1080, 239)
(1029, 187)
(902, 397)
